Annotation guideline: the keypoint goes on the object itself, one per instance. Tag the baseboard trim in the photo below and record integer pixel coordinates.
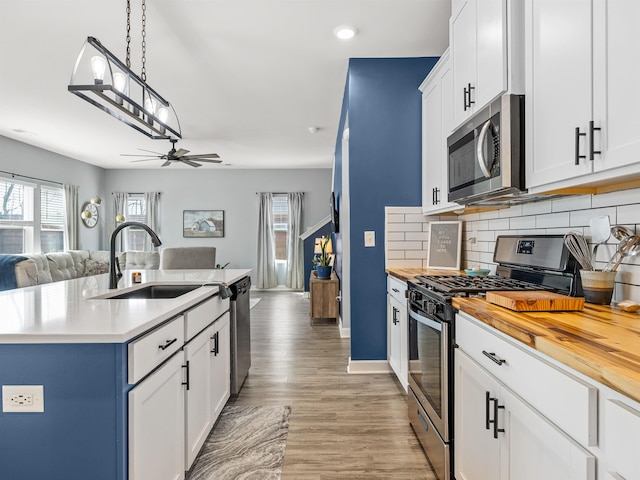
(344, 331)
(368, 366)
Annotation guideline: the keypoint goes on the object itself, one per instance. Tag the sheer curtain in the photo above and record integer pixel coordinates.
(120, 208)
(295, 277)
(152, 202)
(72, 218)
(266, 271)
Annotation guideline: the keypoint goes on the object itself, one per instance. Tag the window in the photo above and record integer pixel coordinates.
(136, 212)
(31, 217)
(280, 224)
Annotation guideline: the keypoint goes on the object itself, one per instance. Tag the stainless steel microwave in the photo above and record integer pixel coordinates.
(486, 154)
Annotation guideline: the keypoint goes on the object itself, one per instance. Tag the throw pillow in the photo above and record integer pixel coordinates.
(93, 267)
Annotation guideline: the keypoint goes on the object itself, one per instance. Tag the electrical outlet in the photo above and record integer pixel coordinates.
(23, 398)
(370, 239)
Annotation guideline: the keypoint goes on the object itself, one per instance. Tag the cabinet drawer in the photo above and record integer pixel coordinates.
(396, 288)
(567, 401)
(149, 351)
(199, 317)
(622, 438)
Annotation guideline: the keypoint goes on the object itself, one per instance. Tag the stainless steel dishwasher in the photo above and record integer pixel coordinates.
(240, 333)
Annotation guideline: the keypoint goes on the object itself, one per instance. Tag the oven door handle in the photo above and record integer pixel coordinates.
(482, 162)
(425, 321)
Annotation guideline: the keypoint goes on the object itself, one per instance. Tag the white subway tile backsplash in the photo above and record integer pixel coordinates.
(404, 245)
(629, 213)
(499, 224)
(404, 227)
(616, 198)
(471, 257)
(569, 203)
(581, 218)
(415, 263)
(395, 218)
(402, 210)
(552, 220)
(482, 247)
(514, 211)
(415, 217)
(415, 254)
(488, 215)
(518, 223)
(419, 236)
(536, 208)
(481, 225)
(395, 236)
(395, 254)
(486, 236)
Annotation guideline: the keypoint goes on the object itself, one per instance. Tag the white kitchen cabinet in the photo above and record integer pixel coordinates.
(437, 121)
(220, 360)
(581, 121)
(499, 436)
(486, 45)
(156, 424)
(622, 439)
(198, 413)
(397, 330)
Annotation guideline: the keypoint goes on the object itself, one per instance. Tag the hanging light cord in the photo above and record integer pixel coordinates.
(128, 60)
(143, 74)
(144, 42)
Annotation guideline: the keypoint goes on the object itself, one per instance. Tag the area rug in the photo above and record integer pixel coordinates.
(247, 443)
(253, 302)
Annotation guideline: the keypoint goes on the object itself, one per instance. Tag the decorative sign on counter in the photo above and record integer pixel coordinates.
(445, 241)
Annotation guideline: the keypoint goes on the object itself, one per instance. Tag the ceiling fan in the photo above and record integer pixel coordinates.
(179, 155)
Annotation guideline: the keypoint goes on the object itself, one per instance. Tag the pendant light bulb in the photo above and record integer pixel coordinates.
(120, 82)
(163, 114)
(98, 65)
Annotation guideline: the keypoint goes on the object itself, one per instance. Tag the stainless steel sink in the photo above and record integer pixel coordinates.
(154, 292)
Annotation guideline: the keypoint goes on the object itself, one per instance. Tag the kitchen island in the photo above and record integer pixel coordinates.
(80, 346)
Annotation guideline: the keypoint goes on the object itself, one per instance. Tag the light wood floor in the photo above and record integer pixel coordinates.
(342, 426)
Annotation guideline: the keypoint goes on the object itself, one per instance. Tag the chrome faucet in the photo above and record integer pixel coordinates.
(113, 261)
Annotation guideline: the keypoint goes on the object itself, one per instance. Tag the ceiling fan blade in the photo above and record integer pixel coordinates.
(202, 155)
(189, 162)
(135, 155)
(144, 160)
(166, 164)
(150, 151)
(180, 152)
(208, 160)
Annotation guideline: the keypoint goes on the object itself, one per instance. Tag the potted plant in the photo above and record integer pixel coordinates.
(322, 258)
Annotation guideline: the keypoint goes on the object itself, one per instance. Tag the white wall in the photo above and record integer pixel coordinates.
(233, 191)
(23, 159)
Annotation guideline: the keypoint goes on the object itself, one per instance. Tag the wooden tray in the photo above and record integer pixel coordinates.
(535, 301)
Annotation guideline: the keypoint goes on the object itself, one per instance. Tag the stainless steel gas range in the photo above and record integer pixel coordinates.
(537, 262)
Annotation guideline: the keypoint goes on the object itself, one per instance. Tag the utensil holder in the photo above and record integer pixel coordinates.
(597, 286)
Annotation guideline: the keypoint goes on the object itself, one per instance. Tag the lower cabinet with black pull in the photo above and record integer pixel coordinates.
(506, 406)
(181, 372)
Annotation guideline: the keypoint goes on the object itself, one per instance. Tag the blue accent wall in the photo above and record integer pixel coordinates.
(82, 432)
(384, 113)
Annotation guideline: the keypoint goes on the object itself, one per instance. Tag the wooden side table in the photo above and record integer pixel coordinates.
(323, 298)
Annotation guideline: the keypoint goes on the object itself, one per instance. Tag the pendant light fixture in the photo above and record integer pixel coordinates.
(104, 81)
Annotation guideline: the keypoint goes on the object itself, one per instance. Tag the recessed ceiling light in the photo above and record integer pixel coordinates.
(312, 129)
(345, 32)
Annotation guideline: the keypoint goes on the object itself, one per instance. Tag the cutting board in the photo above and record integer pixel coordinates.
(535, 301)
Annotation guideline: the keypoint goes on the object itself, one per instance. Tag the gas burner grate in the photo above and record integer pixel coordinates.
(462, 284)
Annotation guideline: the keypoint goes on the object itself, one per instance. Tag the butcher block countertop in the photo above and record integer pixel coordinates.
(602, 342)
(406, 274)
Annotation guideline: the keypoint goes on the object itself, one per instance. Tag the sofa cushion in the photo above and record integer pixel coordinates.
(143, 260)
(62, 266)
(79, 257)
(26, 273)
(42, 271)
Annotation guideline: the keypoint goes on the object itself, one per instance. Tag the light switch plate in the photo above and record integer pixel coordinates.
(23, 398)
(370, 239)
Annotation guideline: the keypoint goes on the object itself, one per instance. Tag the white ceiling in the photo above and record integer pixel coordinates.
(246, 77)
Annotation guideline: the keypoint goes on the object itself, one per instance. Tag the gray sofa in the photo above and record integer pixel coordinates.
(40, 268)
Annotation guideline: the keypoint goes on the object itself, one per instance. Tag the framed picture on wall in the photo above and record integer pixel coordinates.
(202, 223)
(445, 242)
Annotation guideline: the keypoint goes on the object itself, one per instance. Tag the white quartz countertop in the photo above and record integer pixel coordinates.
(69, 312)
